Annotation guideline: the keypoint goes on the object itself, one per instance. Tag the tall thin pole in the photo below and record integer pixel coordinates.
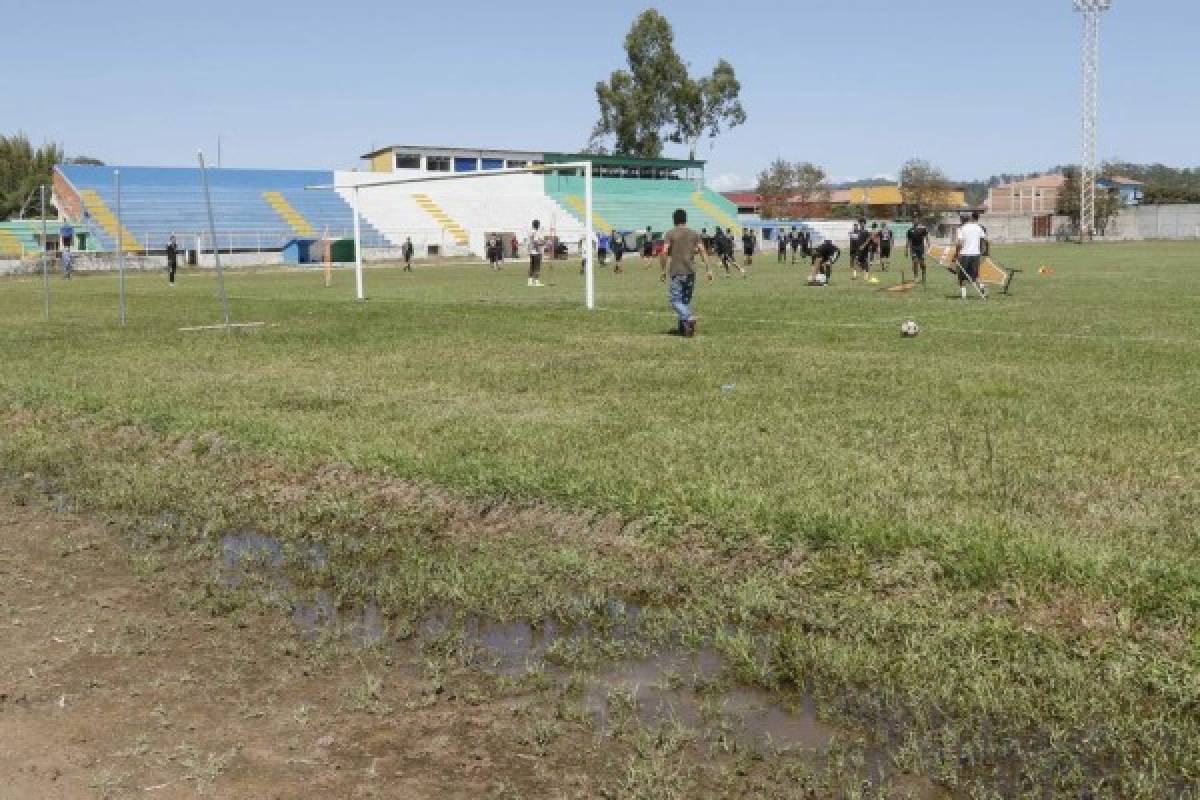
(358, 263)
(212, 231)
(590, 278)
(45, 272)
(1092, 11)
(120, 244)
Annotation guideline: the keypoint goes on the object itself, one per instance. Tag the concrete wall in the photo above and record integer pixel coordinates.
(1132, 224)
(1014, 228)
(1156, 222)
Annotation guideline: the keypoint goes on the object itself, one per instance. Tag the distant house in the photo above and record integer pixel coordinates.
(882, 202)
(1036, 195)
(1132, 192)
(887, 202)
(1039, 194)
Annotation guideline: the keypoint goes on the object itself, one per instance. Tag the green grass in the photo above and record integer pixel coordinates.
(986, 536)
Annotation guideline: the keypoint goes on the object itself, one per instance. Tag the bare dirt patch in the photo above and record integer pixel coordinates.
(113, 685)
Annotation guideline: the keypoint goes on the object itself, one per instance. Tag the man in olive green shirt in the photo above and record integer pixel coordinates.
(681, 246)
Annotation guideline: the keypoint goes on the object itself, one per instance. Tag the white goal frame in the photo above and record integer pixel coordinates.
(587, 255)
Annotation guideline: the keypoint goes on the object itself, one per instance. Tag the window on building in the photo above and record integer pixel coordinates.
(493, 163)
(408, 161)
(516, 164)
(466, 164)
(437, 163)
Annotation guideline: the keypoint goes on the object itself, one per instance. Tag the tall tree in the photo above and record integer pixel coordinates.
(656, 101)
(1069, 196)
(924, 187)
(811, 186)
(22, 170)
(705, 107)
(776, 188)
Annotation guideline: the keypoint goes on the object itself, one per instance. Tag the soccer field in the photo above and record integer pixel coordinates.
(975, 550)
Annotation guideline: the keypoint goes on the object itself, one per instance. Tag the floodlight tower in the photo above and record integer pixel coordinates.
(1092, 11)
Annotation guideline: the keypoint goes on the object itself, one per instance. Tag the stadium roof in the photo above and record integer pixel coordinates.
(444, 149)
(549, 157)
(620, 161)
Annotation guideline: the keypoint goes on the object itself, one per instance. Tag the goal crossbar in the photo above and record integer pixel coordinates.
(589, 232)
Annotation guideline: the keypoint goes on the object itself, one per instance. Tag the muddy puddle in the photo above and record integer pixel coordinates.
(670, 685)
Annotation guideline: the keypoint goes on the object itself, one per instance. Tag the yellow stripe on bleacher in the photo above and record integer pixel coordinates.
(599, 222)
(10, 245)
(289, 214)
(108, 221)
(430, 207)
(710, 208)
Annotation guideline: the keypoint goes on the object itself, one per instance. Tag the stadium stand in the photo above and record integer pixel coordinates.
(632, 205)
(17, 239)
(260, 209)
(456, 217)
(265, 209)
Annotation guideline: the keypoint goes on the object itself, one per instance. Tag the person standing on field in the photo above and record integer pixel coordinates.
(918, 245)
(537, 246)
(677, 257)
(172, 259)
(407, 251)
(618, 249)
(749, 244)
(886, 240)
(783, 245)
(968, 252)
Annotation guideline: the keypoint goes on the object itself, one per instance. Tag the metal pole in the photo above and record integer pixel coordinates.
(45, 273)
(590, 278)
(120, 244)
(212, 230)
(358, 269)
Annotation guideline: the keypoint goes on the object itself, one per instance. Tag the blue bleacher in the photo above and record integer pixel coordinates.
(157, 202)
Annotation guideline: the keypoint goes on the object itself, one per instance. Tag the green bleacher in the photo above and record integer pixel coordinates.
(632, 204)
(19, 237)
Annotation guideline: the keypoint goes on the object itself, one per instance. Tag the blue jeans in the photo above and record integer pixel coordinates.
(680, 291)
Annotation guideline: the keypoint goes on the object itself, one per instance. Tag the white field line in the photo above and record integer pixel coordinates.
(231, 326)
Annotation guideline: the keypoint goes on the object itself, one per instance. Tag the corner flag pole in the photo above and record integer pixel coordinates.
(212, 230)
(590, 291)
(45, 274)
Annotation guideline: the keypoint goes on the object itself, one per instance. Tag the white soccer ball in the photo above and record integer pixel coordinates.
(909, 329)
(821, 278)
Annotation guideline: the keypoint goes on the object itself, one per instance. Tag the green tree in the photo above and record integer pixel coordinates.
(22, 170)
(656, 101)
(776, 188)
(924, 187)
(812, 187)
(788, 189)
(705, 107)
(1069, 196)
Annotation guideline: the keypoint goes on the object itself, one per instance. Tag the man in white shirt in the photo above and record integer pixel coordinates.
(537, 246)
(968, 253)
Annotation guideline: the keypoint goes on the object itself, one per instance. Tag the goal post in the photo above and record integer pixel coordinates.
(589, 232)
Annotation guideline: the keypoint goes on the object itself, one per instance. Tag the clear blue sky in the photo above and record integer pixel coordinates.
(857, 86)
